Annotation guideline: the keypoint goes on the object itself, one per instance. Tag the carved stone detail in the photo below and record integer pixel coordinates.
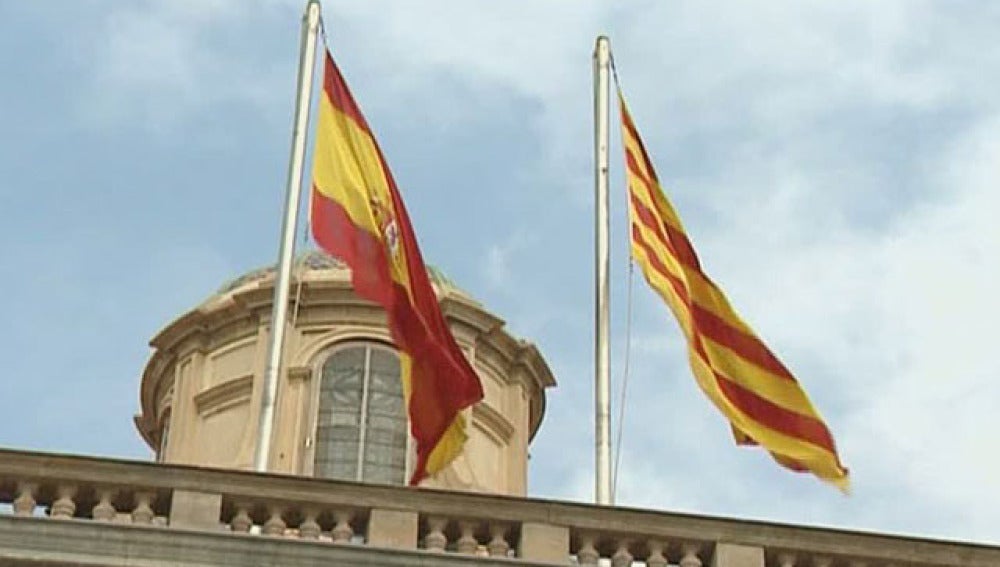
(143, 512)
(435, 540)
(498, 546)
(342, 532)
(64, 507)
(24, 504)
(104, 510)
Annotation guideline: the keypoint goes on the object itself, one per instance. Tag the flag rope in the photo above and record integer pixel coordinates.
(625, 375)
(299, 273)
(628, 335)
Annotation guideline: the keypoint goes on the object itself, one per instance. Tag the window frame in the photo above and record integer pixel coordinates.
(320, 359)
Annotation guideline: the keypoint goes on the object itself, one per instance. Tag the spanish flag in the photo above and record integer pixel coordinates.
(763, 402)
(358, 215)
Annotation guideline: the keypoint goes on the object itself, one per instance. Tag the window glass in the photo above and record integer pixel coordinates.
(361, 425)
(385, 432)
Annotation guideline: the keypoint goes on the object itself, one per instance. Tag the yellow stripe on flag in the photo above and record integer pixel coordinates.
(763, 402)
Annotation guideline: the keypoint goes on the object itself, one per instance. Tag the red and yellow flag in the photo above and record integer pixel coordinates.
(759, 396)
(358, 216)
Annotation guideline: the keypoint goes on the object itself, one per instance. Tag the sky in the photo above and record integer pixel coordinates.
(835, 164)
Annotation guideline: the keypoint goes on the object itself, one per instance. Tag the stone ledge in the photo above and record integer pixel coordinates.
(40, 541)
(610, 525)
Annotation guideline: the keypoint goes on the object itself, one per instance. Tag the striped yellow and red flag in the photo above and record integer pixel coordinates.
(761, 399)
(358, 216)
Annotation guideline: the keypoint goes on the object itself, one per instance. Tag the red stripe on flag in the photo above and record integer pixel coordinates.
(680, 245)
(335, 88)
(747, 346)
(634, 133)
(757, 408)
(657, 264)
(435, 395)
(335, 233)
(775, 417)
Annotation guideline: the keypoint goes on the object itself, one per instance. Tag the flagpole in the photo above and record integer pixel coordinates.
(602, 385)
(289, 227)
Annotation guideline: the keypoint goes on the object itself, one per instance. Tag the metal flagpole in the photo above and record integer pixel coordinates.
(289, 227)
(602, 385)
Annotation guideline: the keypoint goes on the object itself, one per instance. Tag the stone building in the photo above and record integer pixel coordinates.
(340, 412)
(334, 493)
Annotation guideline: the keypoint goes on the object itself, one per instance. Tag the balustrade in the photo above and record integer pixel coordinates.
(622, 550)
(62, 499)
(468, 536)
(302, 519)
(68, 489)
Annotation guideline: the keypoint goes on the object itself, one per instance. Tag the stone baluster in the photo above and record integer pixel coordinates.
(656, 557)
(467, 542)
(435, 540)
(690, 555)
(342, 532)
(786, 560)
(309, 528)
(241, 522)
(857, 563)
(24, 504)
(622, 557)
(822, 561)
(498, 546)
(587, 554)
(143, 512)
(64, 506)
(104, 510)
(275, 524)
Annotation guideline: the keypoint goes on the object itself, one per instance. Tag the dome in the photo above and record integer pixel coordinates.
(201, 391)
(321, 265)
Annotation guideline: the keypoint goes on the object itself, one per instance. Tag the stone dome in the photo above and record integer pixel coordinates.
(201, 389)
(319, 264)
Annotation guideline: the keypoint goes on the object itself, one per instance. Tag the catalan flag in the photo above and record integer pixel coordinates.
(357, 215)
(763, 402)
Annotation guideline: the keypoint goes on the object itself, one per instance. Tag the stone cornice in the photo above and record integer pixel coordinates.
(494, 420)
(224, 395)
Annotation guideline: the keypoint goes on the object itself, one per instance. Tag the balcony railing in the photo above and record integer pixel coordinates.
(60, 490)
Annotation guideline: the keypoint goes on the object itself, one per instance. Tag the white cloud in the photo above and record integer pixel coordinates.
(160, 62)
(835, 164)
(838, 172)
(890, 331)
(497, 262)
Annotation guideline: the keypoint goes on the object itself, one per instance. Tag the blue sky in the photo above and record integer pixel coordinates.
(835, 164)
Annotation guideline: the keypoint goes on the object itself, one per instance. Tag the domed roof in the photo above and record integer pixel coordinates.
(319, 261)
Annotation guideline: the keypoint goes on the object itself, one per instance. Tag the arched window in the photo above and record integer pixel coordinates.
(361, 428)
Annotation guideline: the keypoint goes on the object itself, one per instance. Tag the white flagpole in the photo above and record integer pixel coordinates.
(289, 227)
(602, 359)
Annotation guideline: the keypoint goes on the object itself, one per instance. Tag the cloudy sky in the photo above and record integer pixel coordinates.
(836, 164)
